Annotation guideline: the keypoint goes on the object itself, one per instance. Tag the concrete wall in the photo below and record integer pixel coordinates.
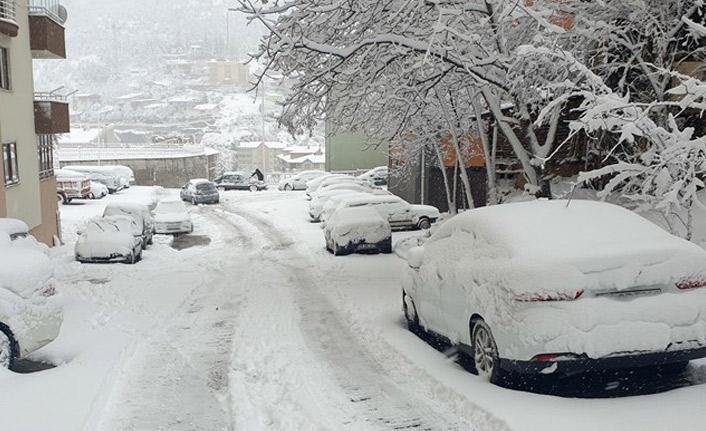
(348, 151)
(17, 124)
(167, 172)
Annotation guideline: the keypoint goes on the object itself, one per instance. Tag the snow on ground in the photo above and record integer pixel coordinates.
(257, 327)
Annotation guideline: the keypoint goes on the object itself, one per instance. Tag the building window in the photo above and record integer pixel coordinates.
(4, 69)
(45, 145)
(9, 159)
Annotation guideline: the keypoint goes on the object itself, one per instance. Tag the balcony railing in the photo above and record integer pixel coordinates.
(8, 18)
(49, 8)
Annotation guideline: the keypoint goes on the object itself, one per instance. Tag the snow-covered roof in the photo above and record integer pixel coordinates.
(181, 99)
(79, 136)
(256, 144)
(206, 107)
(141, 152)
(318, 159)
(130, 96)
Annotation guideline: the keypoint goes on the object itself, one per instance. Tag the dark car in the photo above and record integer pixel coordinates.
(199, 191)
(239, 181)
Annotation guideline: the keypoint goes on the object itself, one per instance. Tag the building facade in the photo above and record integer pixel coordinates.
(29, 121)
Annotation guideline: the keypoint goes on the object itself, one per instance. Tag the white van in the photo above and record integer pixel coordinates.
(112, 177)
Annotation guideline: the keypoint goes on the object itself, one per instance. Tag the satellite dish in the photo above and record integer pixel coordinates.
(62, 13)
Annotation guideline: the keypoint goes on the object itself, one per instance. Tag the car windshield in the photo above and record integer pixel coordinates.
(205, 187)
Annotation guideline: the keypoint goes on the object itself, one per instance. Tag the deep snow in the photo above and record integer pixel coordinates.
(262, 329)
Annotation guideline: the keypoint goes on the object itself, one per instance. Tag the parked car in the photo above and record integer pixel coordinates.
(71, 185)
(321, 199)
(126, 173)
(172, 217)
(376, 176)
(298, 181)
(332, 181)
(199, 191)
(113, 177)
(18, 234)
(239, 181)
(115, 238)
(30, 308)
(313, 184)
(398, 212)
(98, 190)
(554, 287)
(358, 230)
(140, 212)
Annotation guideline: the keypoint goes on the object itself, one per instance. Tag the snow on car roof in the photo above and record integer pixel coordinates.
(199, 181)
(367, 199)
(562, 245)
(24, 270)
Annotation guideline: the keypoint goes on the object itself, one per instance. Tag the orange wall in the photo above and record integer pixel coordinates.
(471, 151)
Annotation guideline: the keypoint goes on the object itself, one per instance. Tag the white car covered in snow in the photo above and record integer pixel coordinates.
(98, 190)
(30, 309)
(172, 217)
(397, 211)
(376, 176)
(317, 203)
(358, 230)
(138, 211)
(298, 181)
(558, 287)
(115, 238)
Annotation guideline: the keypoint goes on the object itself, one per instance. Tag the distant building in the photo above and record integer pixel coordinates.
(351, 152)
(296, 159)
(262, 155)
(88, 137)
(228, 72)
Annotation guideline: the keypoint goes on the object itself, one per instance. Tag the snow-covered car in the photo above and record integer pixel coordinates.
(172, 217)
(98, 190)
(358, 230)
(400, 213)
(376, 176)
(30, 308)
(115, 238)
(298, 181)
(331, 197)
(313, 184)
(140, 212)
(110, 176)
(239, 181)
(17, 232)
(558, 287)
(200, 191)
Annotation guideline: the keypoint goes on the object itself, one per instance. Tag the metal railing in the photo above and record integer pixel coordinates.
(48, 96)
(7, 10)
(49, 8)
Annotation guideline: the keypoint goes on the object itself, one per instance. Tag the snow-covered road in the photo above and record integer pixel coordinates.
(256, 327)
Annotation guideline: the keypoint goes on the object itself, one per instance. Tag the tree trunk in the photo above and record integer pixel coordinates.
(492, 197)
(452, 205)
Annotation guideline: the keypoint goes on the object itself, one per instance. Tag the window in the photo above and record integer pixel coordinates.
(45, 144)
(9, 159)
(4, 69)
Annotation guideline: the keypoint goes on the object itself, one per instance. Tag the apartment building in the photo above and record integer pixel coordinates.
(29, 121)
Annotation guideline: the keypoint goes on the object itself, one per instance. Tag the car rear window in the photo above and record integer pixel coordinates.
(205, 187)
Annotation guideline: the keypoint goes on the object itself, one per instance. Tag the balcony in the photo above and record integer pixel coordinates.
(8, 22)
(46, 29)
(51, 114)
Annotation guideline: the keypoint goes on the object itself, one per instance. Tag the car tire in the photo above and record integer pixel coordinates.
(91, 196)
(253, 188)
(221, 188)
(410, 314)
(485, 352)
(61, 199)
(287, 187)
(424, 223)
(138, 257)
(193, 201)
(8, 347)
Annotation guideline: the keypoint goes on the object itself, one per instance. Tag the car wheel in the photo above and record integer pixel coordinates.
(193, 201)
(253, 188)
(485, 352)
(138, 257)
(91, 196)
(410, 314)
(61, 199)
(8, 347)
(424, 223)
(287, 187)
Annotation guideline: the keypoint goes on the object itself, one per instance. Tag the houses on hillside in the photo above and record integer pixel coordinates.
(29, 121)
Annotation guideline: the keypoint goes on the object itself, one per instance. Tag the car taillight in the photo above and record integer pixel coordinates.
(535, 297)
(685, 284)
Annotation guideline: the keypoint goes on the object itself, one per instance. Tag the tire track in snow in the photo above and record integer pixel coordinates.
(377, 400)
